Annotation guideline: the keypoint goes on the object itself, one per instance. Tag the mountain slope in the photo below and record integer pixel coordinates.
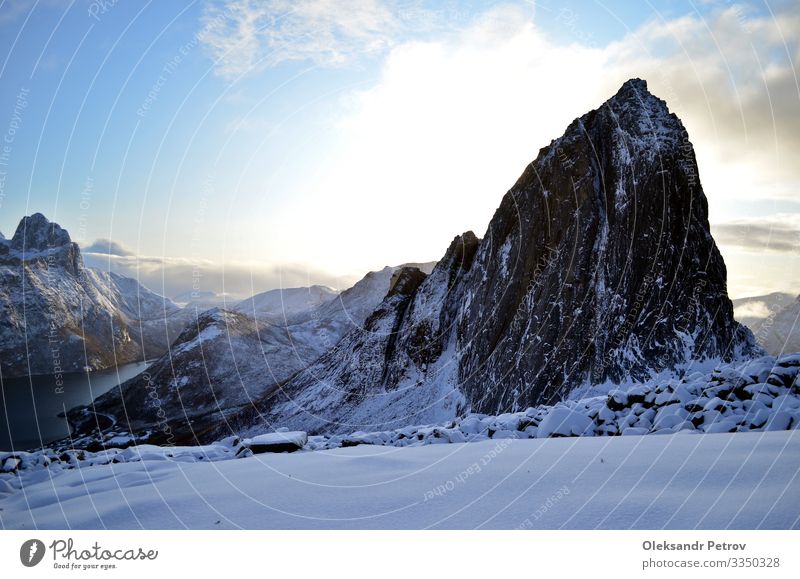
(226, 360)
(58, 316)
(284, 304)
(597, 267)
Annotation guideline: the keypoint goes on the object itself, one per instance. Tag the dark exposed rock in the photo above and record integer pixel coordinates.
(613, 271)
(277, 442)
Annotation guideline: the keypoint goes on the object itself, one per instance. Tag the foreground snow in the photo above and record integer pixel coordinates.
(741, 480)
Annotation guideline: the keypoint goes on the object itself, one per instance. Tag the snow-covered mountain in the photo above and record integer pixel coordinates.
(202, 300)
(284, 304)
(598, 267)
(58, 316)
(774, 319)
(225, 360)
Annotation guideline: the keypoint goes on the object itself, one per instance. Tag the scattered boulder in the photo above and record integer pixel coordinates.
(277, 442)
(563, 421)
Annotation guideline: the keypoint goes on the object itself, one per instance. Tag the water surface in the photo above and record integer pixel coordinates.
(29, 406)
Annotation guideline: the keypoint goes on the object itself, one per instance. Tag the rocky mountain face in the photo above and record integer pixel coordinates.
(774, 319)
(57, 316)
(598, 267)
(225, 360)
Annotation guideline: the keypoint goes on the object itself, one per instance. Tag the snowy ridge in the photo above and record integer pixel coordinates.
(284, 304)
(399, 369)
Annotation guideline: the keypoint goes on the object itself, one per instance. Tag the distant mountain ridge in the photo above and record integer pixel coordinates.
(774, 319)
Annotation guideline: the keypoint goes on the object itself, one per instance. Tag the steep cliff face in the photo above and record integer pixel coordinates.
(57, 316)
(597, 267)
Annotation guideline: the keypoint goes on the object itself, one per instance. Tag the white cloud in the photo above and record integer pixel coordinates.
(778, 233)
(104, 246)
(171, 276)
(429, 150)
(246, 36)
(453, 122)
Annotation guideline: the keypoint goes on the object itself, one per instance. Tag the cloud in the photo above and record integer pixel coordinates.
(779, 233)
(428, 150)
(11, 12)
(107, 247)
(730, 76)
(755, 309)
(454, 120)
(172, 276)
(245, 36)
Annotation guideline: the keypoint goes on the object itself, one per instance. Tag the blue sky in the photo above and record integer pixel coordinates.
(282, 143)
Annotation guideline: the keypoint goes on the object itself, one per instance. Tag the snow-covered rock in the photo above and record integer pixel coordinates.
(562, 421)
(276, 442)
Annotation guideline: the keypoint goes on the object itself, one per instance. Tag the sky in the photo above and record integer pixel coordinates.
(237, 146)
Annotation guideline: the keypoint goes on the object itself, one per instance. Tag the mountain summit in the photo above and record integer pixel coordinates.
(37, 233)
(598, 267)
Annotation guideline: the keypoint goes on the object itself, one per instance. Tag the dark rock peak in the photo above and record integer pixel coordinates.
(461, 251)
(405, 281)
(597, 267)
(37, 233)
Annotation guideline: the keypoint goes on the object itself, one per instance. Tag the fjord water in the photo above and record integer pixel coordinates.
(29, 406)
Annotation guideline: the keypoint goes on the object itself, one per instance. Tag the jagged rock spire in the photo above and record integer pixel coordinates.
(37, 233)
